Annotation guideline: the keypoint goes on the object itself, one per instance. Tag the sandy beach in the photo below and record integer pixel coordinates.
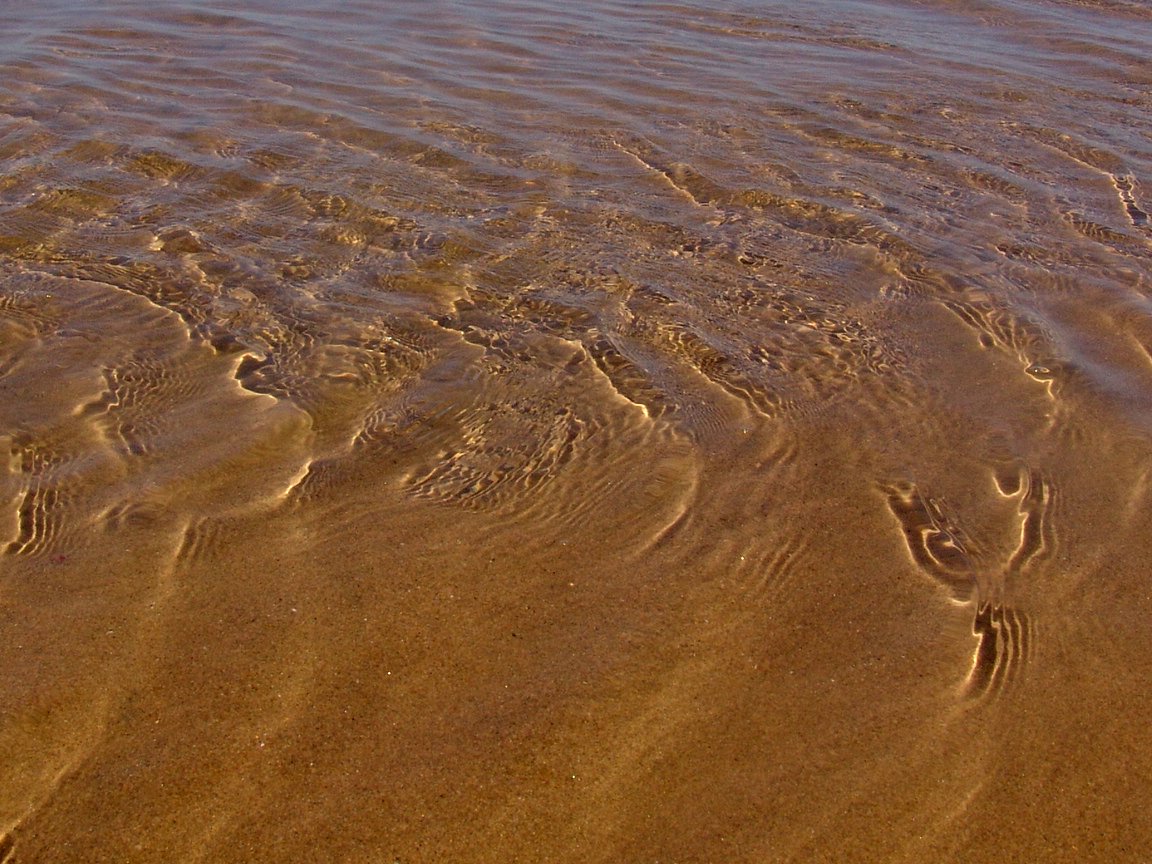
(599, 432)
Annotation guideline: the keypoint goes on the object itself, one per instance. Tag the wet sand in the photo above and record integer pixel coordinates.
(506, 432)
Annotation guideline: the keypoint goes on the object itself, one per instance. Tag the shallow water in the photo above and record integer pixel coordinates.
(596, 431)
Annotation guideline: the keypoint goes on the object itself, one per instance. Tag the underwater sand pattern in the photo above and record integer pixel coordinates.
(598, 432)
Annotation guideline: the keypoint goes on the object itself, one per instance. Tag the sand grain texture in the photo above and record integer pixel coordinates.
(694, 433)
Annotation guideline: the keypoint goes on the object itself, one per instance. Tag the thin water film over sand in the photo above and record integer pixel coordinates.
(597, 431)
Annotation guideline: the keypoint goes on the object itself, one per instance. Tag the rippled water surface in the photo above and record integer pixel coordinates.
(589, 431)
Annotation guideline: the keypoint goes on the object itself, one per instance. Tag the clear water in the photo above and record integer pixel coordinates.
(600, 430)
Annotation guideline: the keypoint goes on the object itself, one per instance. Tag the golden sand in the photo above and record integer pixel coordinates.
(411, 456)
